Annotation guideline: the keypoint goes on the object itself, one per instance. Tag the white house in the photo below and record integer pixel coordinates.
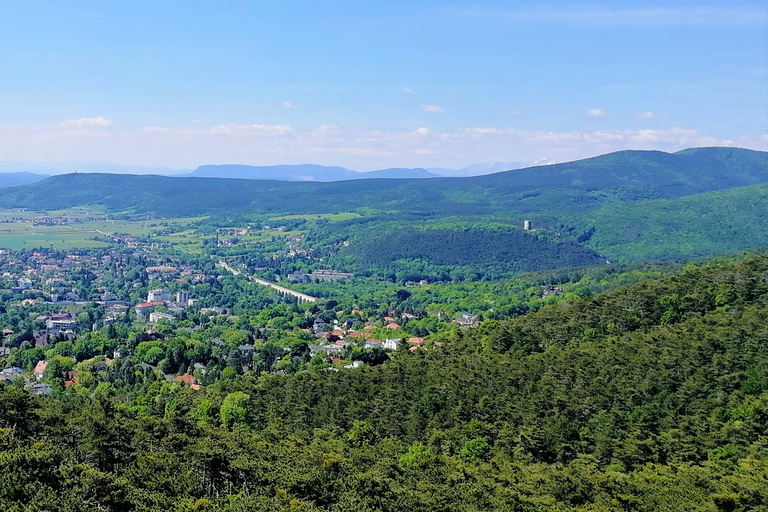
(392, 343)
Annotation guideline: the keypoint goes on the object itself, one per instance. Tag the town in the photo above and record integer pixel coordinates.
(75, 320)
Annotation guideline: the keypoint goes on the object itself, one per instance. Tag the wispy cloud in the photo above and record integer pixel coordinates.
(253, 129)
(87, 122)
(408, 90)
(354, 147)
(288, 104)
(585, 15)
(595, 112)
(326, 130)
(648, 115)
(431, 108)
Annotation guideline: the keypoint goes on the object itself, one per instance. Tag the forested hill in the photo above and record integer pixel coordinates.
(648, 398)
(622, 176)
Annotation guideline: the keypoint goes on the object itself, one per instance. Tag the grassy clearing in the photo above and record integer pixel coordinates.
(333, 217)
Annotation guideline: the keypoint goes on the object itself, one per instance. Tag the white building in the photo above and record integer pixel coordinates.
(392, 343)
(158, 295)
(156, 317)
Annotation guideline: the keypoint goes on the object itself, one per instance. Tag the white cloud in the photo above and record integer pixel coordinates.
(595, 112)
(288, 104)
(648, 115)
(408, 90)
(350, 151)
(360, 148)
(254, 129)
(326, 130)
(431, 108)
(87, 122)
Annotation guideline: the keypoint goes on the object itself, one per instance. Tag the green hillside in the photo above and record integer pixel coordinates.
(622, 176)
(438, 252)
(689, 227)
(652, 397)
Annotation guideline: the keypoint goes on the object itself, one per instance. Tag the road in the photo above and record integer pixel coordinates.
(302, 297)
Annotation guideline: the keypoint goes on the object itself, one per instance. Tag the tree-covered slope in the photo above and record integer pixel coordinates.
(622, 176)
(701, 225)
(415, 253)
(648, 398)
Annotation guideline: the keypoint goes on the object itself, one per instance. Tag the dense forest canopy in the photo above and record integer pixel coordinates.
(648, 397)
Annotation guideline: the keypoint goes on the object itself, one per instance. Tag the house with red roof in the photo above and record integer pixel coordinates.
(187, 379)
(40, 369)
(143, 309)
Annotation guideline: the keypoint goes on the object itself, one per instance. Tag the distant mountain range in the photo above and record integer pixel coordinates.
(302, 172)
(50, 168)
(311, 172)
(626, 206)
(29, 172)
(583, 184)
(14, 179)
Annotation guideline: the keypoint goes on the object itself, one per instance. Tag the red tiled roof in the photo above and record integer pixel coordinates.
(41, 366)
(393, 326)
(196, 387)
(186, 379)
(150, 304)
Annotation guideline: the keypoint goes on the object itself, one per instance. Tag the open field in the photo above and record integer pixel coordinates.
(20, 236)
(77, 212)
(18, 231)
(333, 217)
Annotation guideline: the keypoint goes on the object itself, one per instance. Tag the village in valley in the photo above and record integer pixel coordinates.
(80, 319)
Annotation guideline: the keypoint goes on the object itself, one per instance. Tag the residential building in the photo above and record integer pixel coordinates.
(156, 316)
(392, 343)
(159, 295)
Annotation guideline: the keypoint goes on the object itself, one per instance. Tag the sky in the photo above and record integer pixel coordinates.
(369, 85)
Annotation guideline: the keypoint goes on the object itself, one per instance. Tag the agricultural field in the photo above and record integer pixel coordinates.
(27, 229)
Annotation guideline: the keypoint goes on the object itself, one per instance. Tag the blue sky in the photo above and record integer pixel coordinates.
(369, 85)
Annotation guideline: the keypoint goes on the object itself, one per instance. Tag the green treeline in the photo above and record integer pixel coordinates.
(650, 397)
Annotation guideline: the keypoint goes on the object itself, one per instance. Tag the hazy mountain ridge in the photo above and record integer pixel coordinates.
(52, 168)
(15, 179)
(302, 172)
(579, 185)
